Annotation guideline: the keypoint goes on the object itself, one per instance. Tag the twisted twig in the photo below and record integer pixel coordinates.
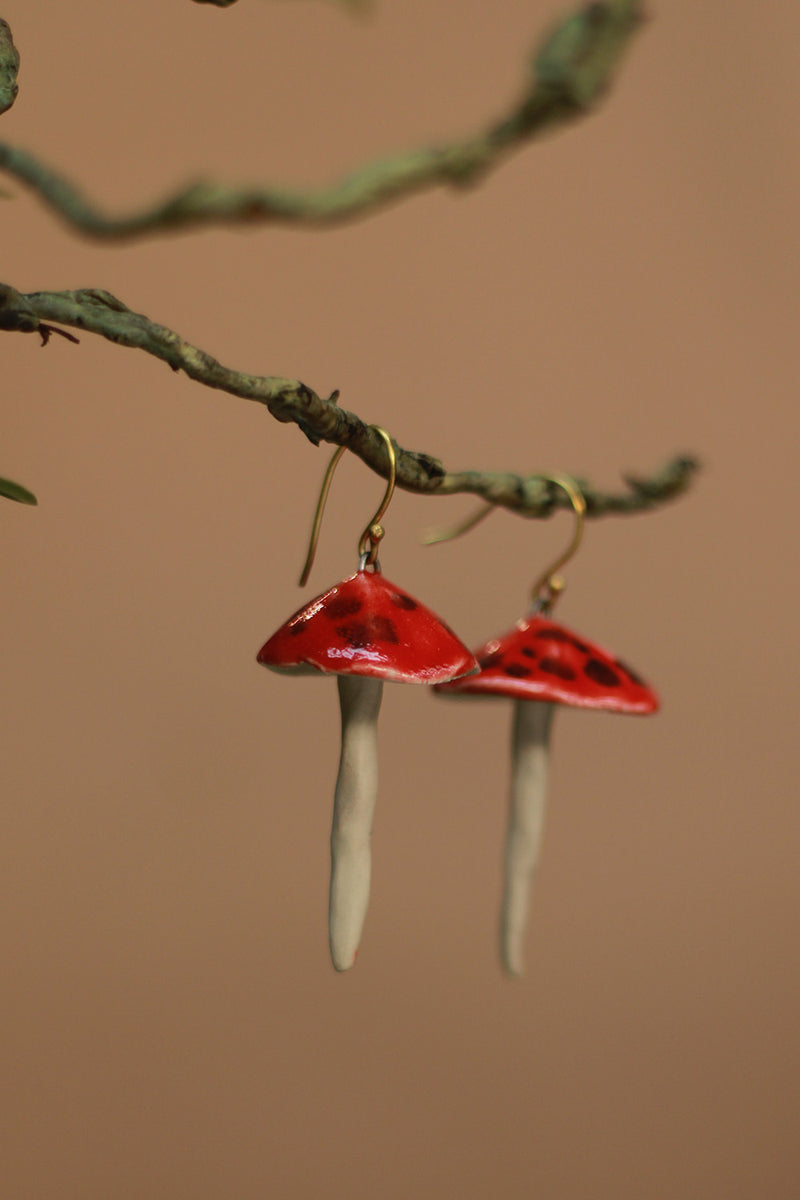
(320, 419)
(572, 68)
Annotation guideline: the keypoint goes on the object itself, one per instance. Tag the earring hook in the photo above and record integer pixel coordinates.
(374, 531)
(549, 585)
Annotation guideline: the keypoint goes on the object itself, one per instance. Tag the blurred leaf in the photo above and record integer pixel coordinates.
(15, 491)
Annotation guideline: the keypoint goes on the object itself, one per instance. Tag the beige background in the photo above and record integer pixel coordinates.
(621, 292)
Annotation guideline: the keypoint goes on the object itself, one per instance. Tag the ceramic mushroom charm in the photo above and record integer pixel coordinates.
(539, 664)
(365, 630)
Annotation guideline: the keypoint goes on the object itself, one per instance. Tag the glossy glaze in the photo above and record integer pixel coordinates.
(540, 660)
(366, 625)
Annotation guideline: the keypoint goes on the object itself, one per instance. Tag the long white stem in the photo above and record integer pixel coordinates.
(353, 810)
(530, 753)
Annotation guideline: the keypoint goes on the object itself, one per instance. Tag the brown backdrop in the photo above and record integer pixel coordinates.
(620, 292)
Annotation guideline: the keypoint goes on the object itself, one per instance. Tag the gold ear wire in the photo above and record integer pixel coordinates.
(549, 584)
(374, 530)
(432, 536)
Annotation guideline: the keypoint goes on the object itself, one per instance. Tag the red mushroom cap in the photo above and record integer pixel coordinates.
(539, 660)
(366, 625)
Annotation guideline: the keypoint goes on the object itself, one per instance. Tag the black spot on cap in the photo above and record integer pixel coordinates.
(517, 670)
(342, 606)
(361, 634)
(528, 652)
(631, 674)
(355, 634)
(490, 660)
(554, 666)
(561, 635)
(601, 673)
(383, 630)
(404, 601)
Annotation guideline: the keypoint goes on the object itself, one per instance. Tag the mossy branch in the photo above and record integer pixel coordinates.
(9, 65)
(321, 419)
(571, 70)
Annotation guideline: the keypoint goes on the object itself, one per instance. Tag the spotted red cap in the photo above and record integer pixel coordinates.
(539, 660)
(366, 625)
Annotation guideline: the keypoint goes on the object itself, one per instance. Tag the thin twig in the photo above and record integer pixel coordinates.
(572, 69)
(320, 419)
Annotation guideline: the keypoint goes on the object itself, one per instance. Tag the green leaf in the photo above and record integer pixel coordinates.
(15, 491)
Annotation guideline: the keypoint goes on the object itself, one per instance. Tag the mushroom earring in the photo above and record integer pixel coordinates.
(364, 630)
(539, 664)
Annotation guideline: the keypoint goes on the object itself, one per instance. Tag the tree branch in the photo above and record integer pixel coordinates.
(9, 65)
(320, 419)
(570, 72)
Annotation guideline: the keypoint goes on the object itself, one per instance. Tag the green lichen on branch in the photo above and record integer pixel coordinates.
(572, 69)
(9, 65)
(321, 419)
(573, 66)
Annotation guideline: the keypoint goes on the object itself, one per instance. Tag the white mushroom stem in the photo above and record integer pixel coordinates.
(353, 810)
(530, 753)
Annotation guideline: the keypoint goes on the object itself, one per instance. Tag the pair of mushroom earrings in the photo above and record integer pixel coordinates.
(366, 630)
